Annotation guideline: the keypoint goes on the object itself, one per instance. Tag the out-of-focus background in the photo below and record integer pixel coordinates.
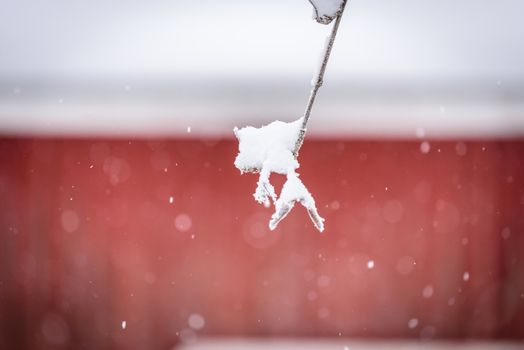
(124, 224)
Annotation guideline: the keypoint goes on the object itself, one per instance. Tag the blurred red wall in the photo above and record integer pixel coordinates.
(423, 245)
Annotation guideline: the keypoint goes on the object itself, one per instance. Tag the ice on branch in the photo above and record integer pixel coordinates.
(326, 10)
(269, 149)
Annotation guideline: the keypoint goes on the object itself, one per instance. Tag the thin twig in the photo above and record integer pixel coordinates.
(319, 81)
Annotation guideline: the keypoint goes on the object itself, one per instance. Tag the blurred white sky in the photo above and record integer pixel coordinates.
(74, 58)
(393, 38)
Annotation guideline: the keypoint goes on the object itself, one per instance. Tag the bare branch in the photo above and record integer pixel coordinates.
(319, 80)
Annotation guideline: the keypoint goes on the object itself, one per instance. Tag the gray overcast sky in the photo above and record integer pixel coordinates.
(448, 67)
(398, 39)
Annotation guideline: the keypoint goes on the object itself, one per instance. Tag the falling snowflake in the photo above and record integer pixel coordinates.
(370, 264)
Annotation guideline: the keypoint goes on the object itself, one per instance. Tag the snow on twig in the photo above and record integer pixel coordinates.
(319, 79)
(273, 148)
(327, 10)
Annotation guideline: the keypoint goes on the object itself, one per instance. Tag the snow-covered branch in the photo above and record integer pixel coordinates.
(273, 148)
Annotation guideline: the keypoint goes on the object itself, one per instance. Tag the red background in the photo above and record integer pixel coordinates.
(89, 239)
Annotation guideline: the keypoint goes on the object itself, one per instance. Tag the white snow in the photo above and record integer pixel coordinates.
(326, 10)
(269, 149)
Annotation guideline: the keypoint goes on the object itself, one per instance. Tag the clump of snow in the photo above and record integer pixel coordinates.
(269, 149)
(326, 10)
